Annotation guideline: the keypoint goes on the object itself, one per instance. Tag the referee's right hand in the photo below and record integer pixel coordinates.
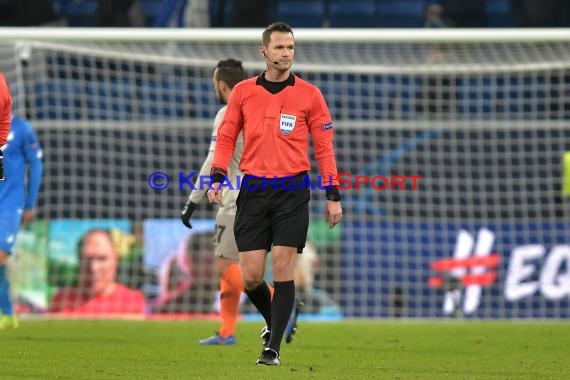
(215, 193)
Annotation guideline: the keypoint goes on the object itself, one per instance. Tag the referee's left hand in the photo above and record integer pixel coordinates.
(333, 213)
(215, 193)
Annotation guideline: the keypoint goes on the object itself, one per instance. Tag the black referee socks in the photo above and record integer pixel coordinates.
(260, 297)
(281, 309)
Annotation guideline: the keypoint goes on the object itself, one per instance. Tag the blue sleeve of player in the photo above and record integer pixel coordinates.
(34, 158)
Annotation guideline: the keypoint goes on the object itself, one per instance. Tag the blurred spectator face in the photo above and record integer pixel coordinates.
(433, 17)
(98, 264)
(434, 11)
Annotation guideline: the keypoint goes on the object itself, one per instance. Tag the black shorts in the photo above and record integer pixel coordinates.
(270, 214)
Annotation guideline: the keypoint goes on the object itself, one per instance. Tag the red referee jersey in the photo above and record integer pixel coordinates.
(5, 109)
(276, 130)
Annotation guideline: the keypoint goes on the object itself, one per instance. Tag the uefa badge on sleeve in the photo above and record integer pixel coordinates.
(287, 123)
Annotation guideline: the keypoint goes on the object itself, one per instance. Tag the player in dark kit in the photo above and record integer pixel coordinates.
(277, 111)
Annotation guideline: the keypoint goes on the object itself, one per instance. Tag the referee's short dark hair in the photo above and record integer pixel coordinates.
(230, 71)
(275, 27)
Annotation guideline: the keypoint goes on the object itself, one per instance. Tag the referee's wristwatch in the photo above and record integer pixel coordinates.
(333, 194)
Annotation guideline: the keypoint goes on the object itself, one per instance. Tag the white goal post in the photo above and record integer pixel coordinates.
(479, 117)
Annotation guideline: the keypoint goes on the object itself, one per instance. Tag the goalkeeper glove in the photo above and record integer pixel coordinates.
(187, 212)
(2, 178)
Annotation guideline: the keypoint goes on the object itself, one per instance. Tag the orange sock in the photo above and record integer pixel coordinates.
(231, 286)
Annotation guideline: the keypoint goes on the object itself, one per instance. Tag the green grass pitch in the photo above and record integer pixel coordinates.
(56, 349)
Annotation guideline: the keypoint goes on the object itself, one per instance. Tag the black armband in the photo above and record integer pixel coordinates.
(218, 174)
(333, 194)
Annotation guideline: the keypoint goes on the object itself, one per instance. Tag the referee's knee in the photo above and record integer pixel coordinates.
(251, 282)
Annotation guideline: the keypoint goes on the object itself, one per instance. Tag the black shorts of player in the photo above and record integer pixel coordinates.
(272, 212)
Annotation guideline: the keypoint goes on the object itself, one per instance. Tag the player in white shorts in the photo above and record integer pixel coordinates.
(226, 75)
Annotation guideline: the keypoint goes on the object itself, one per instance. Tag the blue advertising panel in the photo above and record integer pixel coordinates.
(417, 269)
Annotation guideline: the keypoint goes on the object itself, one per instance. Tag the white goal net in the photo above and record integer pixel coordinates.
(452, 146)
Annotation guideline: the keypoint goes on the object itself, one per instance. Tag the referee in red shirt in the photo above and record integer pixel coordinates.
(5, 119)
(277, 111)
